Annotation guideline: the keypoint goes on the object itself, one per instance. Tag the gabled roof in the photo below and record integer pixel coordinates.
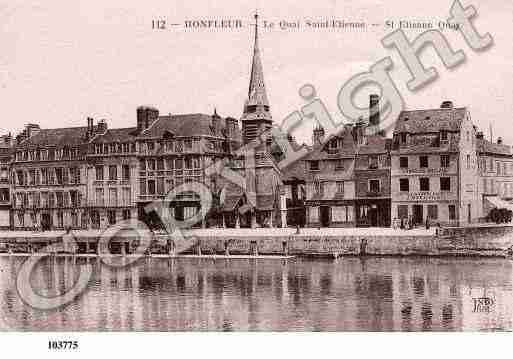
(434, 120)
(59, 137)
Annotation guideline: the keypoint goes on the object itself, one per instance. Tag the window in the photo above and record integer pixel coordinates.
(113, 173)
(100, 200)
(99, 173)
(59, 175)
(374, 186)
(113, 197)
(160, 164)
(142, 165)
(170, 164)
(340, 187)
(112, 217)
(314, 165)
(402, 211)
(319, 187)
(404, 184)
(403, 162)
(432, 211)
(452, 212)
(445, 183)
(151, 165)
(151, 187)
(424, 184)
(498, 166)
(160, 185)
(151, 146)
(126, 172)
(126, 214)
(468, 161)
(339, 165)
(444, 161)
(443, 135)
(373, 162)
(424, 162)
(142, 187)
(127, 196)
(403, 138)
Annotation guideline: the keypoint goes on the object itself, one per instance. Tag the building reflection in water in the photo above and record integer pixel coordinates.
(348, 294)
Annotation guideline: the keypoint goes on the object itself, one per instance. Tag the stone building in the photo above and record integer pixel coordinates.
(261, 203)
(330, 184)
(112, 165)
(495, 174)
(49, 177)
(434, 166)
(6, 146)
(179, 149)
(372, 181)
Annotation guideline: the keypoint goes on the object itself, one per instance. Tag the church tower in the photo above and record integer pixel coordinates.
(256, 117)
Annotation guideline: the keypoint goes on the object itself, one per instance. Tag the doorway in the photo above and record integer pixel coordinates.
(325, 216)
(418, 214)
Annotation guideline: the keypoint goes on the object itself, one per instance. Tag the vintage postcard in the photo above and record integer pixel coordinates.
(251, 166)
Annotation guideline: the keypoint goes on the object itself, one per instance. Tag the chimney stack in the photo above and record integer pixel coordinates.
(31, 130)
(146, 116)
(90, 128)
(318, 136)
(447, 105)
(480, 135)
(102, 127)
(499, 140)
(374, 110)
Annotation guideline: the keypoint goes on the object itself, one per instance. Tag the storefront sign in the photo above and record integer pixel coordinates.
(424, 196)
(428, 171)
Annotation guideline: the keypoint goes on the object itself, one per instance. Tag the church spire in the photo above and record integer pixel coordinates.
(257, 94)
(256, 108)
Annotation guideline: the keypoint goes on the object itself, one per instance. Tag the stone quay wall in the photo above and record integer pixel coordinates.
(485, 241)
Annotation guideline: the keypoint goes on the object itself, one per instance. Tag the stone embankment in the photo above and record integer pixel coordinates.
(484, 240)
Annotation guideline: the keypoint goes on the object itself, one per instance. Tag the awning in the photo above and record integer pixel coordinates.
(499, 203)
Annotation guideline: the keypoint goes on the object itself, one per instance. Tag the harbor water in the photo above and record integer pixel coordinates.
(189, 294)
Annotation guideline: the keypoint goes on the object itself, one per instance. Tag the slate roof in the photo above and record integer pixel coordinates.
(187, 125)
(485, 146)
(59, 137)
(434, 120)
(375, 145)
(117, 135)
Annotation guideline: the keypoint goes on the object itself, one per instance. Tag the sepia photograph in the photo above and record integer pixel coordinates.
(251, 166)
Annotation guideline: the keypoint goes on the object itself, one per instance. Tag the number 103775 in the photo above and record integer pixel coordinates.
(63, 345)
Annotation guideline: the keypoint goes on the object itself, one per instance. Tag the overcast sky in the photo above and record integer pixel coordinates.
(61, 62)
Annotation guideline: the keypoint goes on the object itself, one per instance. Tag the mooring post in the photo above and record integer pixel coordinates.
(227, 248)
(123, 249)
(198, 248)
(171, 247)
(254, 245)
(285, 245)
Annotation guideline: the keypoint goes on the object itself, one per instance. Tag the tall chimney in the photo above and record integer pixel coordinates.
(146, 116)
(318, 136)
(374, 110)
(102, 127)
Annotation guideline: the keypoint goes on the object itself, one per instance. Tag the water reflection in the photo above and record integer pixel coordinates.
(349, 294)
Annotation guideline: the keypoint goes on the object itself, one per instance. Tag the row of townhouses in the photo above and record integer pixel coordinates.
(436, 166)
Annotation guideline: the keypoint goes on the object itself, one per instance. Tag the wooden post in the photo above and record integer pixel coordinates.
(171, 247)
(285, 248)
(123, 249)
(237, 220)
(198, 248)
(227, 248)
(271, 222)
(224, 220)
(254, 245)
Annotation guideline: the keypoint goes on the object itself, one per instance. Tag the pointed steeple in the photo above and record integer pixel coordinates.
(257, 116)
(257, 95)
